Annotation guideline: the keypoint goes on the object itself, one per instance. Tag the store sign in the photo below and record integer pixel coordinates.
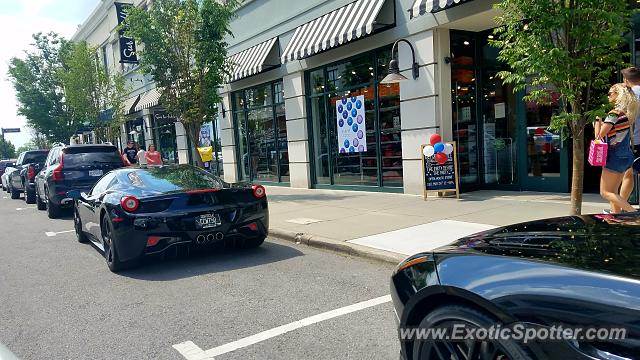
(161, 116)
(440, 178)
(128, 53)
(351, 125)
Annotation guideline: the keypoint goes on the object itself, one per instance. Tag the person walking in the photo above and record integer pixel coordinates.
(152, 156)
(130, 152)
(140, 156)
(616, 131)
(631, 76)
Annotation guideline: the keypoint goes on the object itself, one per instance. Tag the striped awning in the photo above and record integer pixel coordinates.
(129, 105)
(149, 99)
(254, 60)
(348, 23)
(421, 7)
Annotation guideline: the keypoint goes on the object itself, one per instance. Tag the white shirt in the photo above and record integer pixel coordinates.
(140, 156)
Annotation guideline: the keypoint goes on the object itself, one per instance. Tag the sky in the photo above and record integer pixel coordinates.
(18, 20)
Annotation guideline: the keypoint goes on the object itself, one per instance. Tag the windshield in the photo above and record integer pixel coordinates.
(174, 179)
(38, 157)
(84, 156)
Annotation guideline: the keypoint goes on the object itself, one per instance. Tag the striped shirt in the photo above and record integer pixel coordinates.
(621, 126)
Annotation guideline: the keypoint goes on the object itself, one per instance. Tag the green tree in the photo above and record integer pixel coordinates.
(571, 46)
(39, 90)
(89, 90)
(7, 149)
(184, 50)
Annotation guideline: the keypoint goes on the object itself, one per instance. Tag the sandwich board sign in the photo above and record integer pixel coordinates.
(440, 178)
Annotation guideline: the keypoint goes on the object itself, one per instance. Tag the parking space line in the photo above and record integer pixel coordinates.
(54, 233)
(271, 333)
(25, 208)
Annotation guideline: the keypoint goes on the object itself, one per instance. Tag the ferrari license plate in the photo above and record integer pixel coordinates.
(95, 173)
(208, 221)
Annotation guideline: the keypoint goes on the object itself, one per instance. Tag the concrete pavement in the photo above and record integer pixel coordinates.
(389, 227)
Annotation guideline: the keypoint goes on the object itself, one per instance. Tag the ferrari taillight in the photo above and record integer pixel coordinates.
(258, 191)
(130, 203)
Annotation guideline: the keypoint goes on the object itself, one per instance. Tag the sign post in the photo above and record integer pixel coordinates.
(440, 178)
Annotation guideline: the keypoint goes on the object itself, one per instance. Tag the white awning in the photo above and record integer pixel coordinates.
(149, 99)
(421, 7)
(254, 60)
(348, 23)
(128, 106)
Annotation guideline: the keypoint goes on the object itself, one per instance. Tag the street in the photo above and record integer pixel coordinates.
(58, 300)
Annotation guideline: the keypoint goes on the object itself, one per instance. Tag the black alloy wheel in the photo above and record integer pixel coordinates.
(110, 250)
(29, 196)
(77, 225)
(15, 194)
(53, 211)
(449, 316)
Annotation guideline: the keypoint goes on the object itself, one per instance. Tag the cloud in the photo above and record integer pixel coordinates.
(19, 23)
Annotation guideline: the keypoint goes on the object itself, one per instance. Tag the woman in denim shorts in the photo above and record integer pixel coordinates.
(616, 130)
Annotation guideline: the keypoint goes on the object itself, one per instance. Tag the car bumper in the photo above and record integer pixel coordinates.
(58, 194)
(138, 236)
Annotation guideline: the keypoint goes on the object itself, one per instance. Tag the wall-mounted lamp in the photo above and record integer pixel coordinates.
(394, 69)
(448, 60)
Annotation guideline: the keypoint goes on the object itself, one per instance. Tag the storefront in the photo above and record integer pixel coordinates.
(164, 135)
(135, 131)
(260, 125)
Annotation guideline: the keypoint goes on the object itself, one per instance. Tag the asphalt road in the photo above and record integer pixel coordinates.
(58, 300)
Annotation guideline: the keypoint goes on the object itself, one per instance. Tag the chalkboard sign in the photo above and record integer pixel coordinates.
(440, 178)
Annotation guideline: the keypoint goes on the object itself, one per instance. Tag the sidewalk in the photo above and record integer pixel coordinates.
(389, 227)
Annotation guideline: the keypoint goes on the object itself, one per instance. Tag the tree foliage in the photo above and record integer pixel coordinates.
(39, 90)
(91, 90)
(7, 149)
(570, 46)
(184, 50)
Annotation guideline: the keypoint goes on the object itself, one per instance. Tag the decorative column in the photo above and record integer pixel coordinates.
(228, 140)
(297, 130)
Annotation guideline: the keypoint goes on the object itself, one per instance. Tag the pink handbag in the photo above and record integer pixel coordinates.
(598, 153)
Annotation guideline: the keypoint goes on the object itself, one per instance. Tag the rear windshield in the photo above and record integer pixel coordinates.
(38, 157)
(90, 156)
(174, 179)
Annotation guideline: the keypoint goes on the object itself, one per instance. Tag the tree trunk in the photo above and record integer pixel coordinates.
(193, 132)
(578, 173)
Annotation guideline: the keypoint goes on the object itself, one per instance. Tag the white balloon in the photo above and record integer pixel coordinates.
(448, 148)
(428, 151)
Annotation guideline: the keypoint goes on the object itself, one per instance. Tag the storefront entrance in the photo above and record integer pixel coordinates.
(164, 134)
(503, 142)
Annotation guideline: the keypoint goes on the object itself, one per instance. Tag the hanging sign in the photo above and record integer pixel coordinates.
(440, 176)
(128, 53)
(351, 125)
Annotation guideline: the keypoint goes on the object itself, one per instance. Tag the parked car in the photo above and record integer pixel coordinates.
(72, 167)
(134, 212)
(22, 176)
(575, 272)
(3, 165)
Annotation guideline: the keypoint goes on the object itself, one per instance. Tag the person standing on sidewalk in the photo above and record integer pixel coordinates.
(130, 152)
(631, 76)
(153, 156)
(140, 156)
(616, 130)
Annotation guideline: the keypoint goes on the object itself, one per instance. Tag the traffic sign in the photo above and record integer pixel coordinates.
(10, 130)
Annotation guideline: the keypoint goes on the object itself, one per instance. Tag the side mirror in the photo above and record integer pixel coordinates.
(74, 194)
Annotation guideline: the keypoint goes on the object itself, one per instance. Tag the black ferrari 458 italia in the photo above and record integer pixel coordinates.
(134, 212)
(540, 278)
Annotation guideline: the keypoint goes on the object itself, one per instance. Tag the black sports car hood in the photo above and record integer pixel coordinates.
(604, 243)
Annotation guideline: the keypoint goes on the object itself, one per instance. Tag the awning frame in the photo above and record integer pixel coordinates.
(255, 60)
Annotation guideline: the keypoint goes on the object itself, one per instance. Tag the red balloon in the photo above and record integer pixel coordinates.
(435, 138)
(441, 158)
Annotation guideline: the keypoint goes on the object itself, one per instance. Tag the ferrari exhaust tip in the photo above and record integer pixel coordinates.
(219, 236)
(210, 238)
(200, 239)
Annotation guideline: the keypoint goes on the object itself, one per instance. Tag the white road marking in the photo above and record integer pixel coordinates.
(304, 221)
(52, 233)
(25, 208)
(191, 351)
(194, 354)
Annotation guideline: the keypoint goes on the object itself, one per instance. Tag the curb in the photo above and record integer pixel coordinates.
(341, 247)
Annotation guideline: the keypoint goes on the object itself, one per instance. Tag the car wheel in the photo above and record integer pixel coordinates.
(39, 203)
(53, 211)
(29, 196)
(252, 243)
(14, 193)
(77, 225)
(455, 315)
(110, 248)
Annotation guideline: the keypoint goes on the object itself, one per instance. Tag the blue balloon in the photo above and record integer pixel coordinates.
(340, 108)
(341, 122)
(345, 114)
(342, 151)
(346, 143)
(354, 112)
(439, 147)
(344, 101)
(349, 106)
(358, 104)
(352, 149)
(353, 99)
(350, 121)
(355, 128)
(548, 137)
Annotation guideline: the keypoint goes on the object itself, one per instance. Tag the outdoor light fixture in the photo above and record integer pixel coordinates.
(394, 69)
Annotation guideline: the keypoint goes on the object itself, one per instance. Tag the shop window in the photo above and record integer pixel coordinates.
(379, 163)
(260, 123)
